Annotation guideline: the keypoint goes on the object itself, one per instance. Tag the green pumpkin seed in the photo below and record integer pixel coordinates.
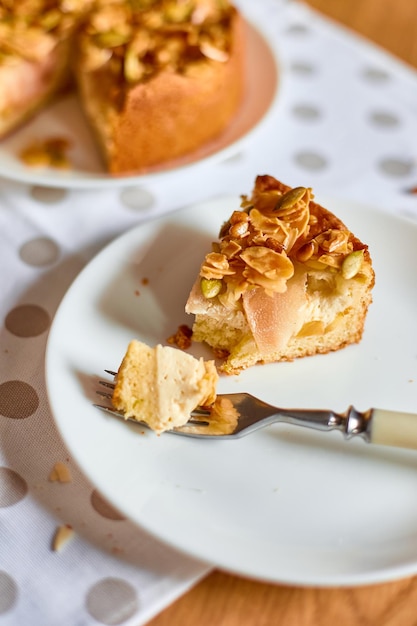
(210, 287)
(111, 39)
(290, 198)
(352, 264)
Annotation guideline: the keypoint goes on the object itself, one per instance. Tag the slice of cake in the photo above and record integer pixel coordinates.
(286, 279)
(161, 386)
(158, 80)
(35, 47)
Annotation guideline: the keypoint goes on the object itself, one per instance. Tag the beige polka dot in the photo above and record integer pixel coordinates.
(384, 119)
(306, 112)
(235, 158)
(311, 161)
(13, 488)
(396, 167)
(48, 195)
(137, 198)
(27, 320)
(39, 252)
(112, 601)
(18, 400)
(302, 68)
(103, 508)
(376, 75)
(297, 29)
(8, 592)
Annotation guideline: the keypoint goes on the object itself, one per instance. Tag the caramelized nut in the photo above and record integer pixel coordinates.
(238, 230)
(63, 535)
(306, 252)
(211, 52)
(215, 265)
(182, 338)
(239, 216)
(156, 35)
(260, 242)
(50, 152)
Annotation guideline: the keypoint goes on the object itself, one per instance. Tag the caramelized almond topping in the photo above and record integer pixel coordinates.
(134, 39)
(147, 36)
(274, 229)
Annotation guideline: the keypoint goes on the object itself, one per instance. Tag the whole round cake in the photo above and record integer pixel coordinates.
(157, 79)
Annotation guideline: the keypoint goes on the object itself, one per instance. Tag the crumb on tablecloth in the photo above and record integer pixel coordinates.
(61, 473)
(62, 537)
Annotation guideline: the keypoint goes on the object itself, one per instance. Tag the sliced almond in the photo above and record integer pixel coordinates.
(62, 537)
(213, 53)
(60, 473)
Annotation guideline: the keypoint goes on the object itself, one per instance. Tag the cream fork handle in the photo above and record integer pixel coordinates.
(391, 428)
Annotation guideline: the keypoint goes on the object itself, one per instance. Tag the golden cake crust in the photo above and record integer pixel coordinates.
(202, 105)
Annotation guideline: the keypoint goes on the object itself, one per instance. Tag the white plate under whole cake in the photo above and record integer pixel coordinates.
(286, 504)
(64, 119)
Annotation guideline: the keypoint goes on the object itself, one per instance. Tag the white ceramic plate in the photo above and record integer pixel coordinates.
(65, 119)
(286, 504)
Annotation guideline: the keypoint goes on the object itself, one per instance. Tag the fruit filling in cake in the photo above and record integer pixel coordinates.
(286, 279)
(35, 50)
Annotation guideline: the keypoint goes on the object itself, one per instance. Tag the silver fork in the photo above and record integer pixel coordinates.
(376, 426)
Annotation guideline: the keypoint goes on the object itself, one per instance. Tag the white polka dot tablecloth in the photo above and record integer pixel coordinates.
(345, 123)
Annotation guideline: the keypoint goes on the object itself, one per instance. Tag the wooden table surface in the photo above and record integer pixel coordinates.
(224, 600)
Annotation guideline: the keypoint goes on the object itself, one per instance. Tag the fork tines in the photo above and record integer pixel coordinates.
(105, 383)
(108, 385)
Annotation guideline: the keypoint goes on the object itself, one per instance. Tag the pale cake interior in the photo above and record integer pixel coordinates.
(330, 316)
(161, 386)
